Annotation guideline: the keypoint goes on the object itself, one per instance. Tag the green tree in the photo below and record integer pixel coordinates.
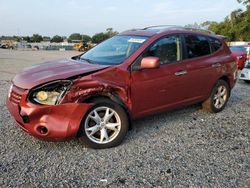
(99, 37)
(26, 38)
(110, 32)
(36, 38)
(236, 26)
(245, 2)
(86, 38)
(75, 37)
(46, 38)
(57, 39)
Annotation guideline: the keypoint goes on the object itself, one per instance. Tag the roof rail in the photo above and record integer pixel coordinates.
(199, 30)
(161, 26)
(165, 27)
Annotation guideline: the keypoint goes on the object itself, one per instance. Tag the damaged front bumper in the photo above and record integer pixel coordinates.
(57, 122)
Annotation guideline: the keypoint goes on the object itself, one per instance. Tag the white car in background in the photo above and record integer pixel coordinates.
(245, 73)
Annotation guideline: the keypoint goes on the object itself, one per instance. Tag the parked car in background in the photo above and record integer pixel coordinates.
(240, 54)
(245, 73)
(137, 73)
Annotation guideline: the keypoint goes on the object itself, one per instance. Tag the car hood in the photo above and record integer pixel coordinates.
(53, 70)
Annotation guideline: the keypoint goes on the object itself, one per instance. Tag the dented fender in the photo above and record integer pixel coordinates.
(99, 85)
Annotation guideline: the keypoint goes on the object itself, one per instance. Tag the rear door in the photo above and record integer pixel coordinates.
(202, 65)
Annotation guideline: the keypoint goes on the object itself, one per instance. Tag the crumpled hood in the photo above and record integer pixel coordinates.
(53, 70)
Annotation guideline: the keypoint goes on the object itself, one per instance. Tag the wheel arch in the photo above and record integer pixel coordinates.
(109, 96)
(227, 80)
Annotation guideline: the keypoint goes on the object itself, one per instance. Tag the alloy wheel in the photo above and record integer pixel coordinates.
(102, 125)
(220, 97)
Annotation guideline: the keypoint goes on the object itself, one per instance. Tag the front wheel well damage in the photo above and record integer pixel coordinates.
(107, 96)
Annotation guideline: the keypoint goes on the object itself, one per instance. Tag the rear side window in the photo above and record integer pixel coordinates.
(215, 43)
(197, 46)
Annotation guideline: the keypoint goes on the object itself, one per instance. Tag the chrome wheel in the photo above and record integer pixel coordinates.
(220, 97)
(102, 125)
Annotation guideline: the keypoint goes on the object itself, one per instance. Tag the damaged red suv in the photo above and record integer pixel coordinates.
(137, 73)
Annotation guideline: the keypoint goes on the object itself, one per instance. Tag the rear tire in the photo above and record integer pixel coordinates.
(105, 125)
(218, 98)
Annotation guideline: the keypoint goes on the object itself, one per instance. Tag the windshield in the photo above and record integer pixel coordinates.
(114, 50)
(238, 48)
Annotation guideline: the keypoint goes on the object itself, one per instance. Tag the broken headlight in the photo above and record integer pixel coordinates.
(51, 93)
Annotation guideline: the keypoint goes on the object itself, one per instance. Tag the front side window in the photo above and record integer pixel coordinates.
(167, 49)
(197, 46)
(114, 51)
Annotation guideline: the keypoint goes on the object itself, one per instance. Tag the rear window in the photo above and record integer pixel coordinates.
(215, 43)
(197, 46)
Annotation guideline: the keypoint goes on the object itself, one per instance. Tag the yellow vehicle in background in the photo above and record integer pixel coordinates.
(82, 46)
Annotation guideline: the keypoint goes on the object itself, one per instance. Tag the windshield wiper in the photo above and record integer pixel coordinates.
(87, 60)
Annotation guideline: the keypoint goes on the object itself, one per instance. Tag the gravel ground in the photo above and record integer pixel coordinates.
(182, 148)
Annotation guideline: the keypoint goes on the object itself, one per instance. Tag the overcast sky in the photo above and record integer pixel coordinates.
(63, 17)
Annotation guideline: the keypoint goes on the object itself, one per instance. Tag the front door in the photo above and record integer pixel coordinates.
(153, 90)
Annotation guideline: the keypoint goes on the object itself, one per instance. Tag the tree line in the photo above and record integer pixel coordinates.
(235, 27)
(75, 37)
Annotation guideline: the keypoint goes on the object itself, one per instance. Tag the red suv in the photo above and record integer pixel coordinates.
(137, 73)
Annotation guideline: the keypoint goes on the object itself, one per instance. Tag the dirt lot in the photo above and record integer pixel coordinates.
(182, 148)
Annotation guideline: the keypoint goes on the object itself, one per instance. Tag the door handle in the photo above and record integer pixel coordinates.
(179, 73)
(216, 65)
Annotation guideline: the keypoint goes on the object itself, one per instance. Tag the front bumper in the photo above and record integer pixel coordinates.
(245, 74)
(57, 122)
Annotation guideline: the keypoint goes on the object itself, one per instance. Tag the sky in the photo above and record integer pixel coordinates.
(64, 17)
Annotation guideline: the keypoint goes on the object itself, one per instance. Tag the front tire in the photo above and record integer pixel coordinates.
(218, 98)
(105, 125)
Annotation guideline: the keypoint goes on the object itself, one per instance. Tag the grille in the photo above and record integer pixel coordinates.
(16, 94)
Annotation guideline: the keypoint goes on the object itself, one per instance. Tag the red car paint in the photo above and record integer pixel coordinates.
(50, 71)
(240, 56)
(141, 92)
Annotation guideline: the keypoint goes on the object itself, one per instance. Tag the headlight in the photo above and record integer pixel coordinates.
(51, 93)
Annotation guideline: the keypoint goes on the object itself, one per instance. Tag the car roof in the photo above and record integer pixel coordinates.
(154, 30)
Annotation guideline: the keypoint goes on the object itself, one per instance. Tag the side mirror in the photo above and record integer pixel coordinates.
(150, 63)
